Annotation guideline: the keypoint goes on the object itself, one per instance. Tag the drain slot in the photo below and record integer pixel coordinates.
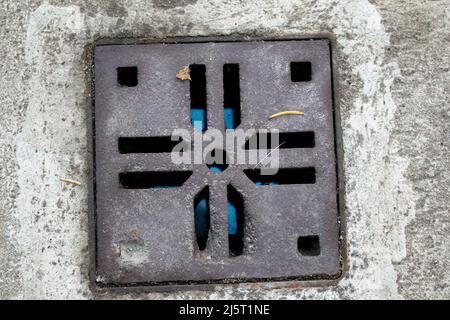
(283, 176)
(286, 140)
(153, 179)
(202, 218)
(162, 144)
(198, 96)
(231, 96)
(236, 220)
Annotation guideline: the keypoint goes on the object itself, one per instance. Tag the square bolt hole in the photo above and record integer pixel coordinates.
(127, 76)
(160, 222)
(301, 71)
(309, 245)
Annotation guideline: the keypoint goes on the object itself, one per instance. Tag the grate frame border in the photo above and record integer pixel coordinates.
(247, 283)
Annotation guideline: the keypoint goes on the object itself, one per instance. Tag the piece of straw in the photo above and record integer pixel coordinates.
(77, 183)
(286, 113)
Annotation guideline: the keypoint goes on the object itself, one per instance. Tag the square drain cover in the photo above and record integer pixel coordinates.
(159, 223)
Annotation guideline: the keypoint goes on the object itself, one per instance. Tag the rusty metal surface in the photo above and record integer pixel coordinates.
(146, 236)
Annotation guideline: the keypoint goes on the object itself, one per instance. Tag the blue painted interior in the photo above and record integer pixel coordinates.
(198, 119)
(230, 118)
(232, 218)
(214, 168)
(201, 216)
(259, 183)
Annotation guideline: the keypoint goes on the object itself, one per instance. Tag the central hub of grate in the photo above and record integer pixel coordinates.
(162, 223)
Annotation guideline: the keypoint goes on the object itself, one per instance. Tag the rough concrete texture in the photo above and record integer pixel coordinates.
(393, 76)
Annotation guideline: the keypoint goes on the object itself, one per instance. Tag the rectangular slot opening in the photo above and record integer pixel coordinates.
(283, 176)
(153, 179)
(236, 220)
(287, 140)
(231, 96)
(162, 144)
(198, 96)
(202, 218)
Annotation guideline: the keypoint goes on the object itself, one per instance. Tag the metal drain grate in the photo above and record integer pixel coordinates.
(158, 223)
